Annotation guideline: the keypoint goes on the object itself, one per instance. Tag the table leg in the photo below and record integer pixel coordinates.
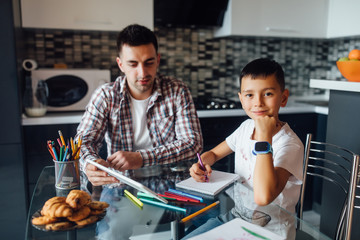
(177, 230)
(71, 235)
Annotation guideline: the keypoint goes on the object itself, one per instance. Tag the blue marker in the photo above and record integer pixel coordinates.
(184, 194)
(163, 205)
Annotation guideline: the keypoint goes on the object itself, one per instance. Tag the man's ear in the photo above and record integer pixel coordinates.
(284, 97)
(158, 59)
(119, 63)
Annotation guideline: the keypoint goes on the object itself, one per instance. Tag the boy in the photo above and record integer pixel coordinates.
(268, 154)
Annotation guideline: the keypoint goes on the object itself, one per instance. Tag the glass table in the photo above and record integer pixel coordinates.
(124, 220)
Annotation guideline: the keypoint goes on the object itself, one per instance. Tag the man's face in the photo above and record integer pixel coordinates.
(139, 63)
(262, 96)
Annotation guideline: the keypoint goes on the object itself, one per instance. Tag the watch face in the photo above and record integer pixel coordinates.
(261, 146)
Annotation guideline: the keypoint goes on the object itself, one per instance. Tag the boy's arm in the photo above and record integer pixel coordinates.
(209, 158)
(269, 181)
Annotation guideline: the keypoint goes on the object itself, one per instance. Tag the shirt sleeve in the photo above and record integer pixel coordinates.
(92, 127)
(188, 139)
(290, 157)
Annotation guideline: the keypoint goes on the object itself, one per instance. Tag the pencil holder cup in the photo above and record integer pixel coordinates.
(67, 175)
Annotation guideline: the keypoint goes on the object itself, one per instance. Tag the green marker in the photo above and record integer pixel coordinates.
(255, 234)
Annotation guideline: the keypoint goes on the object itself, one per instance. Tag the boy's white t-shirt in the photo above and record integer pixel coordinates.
(288, 152)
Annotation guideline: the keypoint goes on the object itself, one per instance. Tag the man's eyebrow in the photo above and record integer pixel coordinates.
(150, 59)
(147, 60)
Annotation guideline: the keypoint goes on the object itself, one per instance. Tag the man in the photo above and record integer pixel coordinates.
(146, 119)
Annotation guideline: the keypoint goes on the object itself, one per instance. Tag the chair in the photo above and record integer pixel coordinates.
(338, 167)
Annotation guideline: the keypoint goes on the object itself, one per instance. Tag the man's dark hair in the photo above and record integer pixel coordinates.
(263, 67)
(136, 35)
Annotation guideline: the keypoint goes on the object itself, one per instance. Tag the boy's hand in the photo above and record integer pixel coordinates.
(265, 128)
(198, 174)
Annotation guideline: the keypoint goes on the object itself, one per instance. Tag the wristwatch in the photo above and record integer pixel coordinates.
(262, 148)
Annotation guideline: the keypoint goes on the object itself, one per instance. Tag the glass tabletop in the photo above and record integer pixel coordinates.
(125, 220)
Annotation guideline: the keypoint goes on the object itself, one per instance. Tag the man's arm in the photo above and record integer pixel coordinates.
(91, 129)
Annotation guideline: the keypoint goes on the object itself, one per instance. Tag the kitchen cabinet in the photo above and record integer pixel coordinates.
(277, 18)
(108, 15)
(343, 18)
(342, 130)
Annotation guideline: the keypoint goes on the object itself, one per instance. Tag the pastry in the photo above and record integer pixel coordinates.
(77, 198)
(80, 214)
(98, 205)
(56, 207)
(42, 220)
(96, 212)
(87, 221)
(58, 226)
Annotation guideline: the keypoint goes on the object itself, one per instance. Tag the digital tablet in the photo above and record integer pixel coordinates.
(128, 181)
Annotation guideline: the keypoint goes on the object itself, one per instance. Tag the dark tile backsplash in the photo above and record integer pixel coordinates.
(210, 66)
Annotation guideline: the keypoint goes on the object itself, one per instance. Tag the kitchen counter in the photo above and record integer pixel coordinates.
(295, 105)
(335, 85)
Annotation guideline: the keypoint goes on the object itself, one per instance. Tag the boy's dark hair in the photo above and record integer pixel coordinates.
(263, 67)
(136, 35)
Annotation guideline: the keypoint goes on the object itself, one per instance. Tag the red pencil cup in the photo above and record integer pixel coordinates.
(67, 175)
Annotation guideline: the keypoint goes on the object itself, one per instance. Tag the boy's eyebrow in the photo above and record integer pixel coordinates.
(265, 89)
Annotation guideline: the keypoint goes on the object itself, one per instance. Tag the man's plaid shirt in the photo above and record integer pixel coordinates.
(171, 119)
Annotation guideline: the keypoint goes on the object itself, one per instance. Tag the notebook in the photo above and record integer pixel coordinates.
(238, 229)
(218, 181)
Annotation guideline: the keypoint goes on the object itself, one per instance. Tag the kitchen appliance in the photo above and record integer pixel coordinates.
(216, 103)
(185, 13)
(69, 89)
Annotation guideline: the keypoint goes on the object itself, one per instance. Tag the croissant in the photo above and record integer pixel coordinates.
(56, 207)
(77, 199)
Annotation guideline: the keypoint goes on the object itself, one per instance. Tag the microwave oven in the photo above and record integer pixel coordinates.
(69, 89)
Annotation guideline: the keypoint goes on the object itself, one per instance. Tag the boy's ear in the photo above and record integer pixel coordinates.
(284, 97)
(239, 94)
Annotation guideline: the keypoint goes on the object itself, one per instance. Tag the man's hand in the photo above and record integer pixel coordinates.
(98, 177)
(125, 160)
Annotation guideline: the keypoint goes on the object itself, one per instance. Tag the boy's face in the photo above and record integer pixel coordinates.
(262, 96)
(139, 63)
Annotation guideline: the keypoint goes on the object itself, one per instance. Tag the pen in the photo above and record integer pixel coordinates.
(180, 198)
(145, 195)
(61, 153)
(62, 138)
(59, 142)
(176, 199)
(160, 204)
(133, 199)
(79, 145)
(183, 194)
(185, 219)
(66, 151)
(202, 166)
(55, 154)
(255, 234)
(72, 144)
